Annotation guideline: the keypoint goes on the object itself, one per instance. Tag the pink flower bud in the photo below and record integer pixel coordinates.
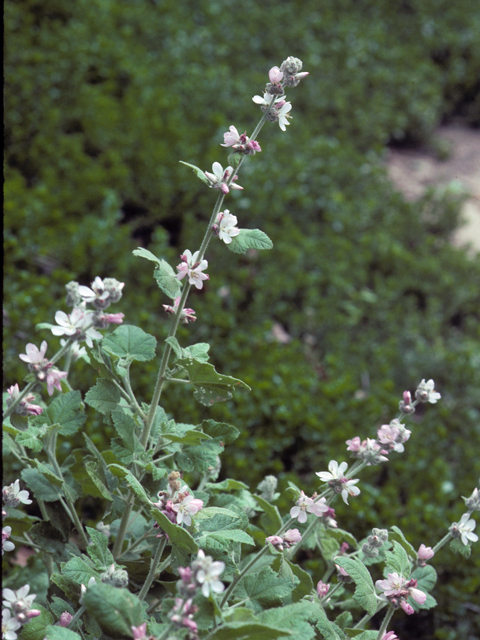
(322, 589)
(423, 554)
(275, 75)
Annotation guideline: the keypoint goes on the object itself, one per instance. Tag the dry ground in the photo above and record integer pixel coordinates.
(412, 171)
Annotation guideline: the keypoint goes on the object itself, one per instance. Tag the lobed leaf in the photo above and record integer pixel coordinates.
(167, 280)
(250, 239)
(365, 593)
(131, 343)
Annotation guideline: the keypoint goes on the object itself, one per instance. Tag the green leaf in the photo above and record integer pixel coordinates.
(358, 634)
(93, 469)
(210, 386)
(457, 546)
(396, 535)
(104, 396)
(197, 351)
(131, 343)
(125, 427)
(69, 586)
(199, 458)
(216, 519)
(396, 560)
(41, 486)
(226, 432)
(145, 253)
(426, 578)
(55, 632)
(67, 411)
(98, 550)
(271, 519)
(248, 631)
(181, 541)
(132, 482)
(226, 485)
(263, 589)
(365, 593)
(191, 437)
(35, 629)
(80, 570)
(250, 239)
(32, 438)
(115, 610)
(232, 535)
(302, 619)
(167, 280)
(305, 584)
(198, 172)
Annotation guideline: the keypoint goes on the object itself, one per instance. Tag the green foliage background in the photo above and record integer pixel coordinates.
(104, 97)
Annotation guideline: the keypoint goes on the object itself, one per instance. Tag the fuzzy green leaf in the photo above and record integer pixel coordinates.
(396, 535)
(226, 432)
(132, 482)
(145, 253)
(365, 593)
(98, 550)
(271, 519)
(167, 279)
(35, 629)
(115, 610)
(66, 411)
(131, 343)
(197, 351)
(396, 560)
(263, 589)
(250, 239)
(55, 632)
(104, 396)
(40, 485)
(198, 172)
(248, 631)
(210, 386)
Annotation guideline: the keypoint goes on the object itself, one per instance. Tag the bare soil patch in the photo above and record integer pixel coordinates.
(412, 171)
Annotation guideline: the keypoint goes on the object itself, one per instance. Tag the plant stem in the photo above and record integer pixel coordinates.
(385, 623)
(122, 529)
(242, 573)
(153, 569)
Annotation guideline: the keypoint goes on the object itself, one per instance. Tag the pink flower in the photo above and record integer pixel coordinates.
(113, 318)
(390, 635)
(322, 589)
(275, 75)
(308, 505)
(192, 268)
(292, 536)
(341, 571)
(233, 137)
(140, 632)
(397, 589)
(188, 507)
(13, 496)
(34, 354)
(24, 408)
(187, 315)
(65, 619)
(393, 435)
(53, 380)
(354, 444)
(423, 554)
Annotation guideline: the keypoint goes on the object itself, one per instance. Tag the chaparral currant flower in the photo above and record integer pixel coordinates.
(187, 315)
(192, 268)
(227, 226)
(335, 476)
(6, 544)
(219, 178)
(425, 392)
(34, 355)
(206, 572)
(188, 507)
(308, 505)
(24, 407)
(464, 529)
(13, 496)
(396, 589)
(10, 625)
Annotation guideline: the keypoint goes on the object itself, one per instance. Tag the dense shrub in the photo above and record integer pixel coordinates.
(102, 100)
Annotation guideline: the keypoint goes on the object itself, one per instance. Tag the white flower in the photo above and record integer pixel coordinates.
(335, 477)
(283, 115)
(192, 267)
(227, 228)
(335, 471)
(308, 505)
(13, 495)
(18, 601)
(266, 100)
(220, 177)
(207, 572)
(425, 392)
(34, 354)
(188, 507)
(10, 624)
(465, 528)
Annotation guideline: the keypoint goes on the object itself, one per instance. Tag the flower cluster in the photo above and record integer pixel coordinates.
(186, 315)
(177, 503)
(240, 142)
(222, 179)
(374, 542)
(307, 505)
(12, 496)
(397, 589)
(192, 268)
(24, 407)
(273, 102)
(287, 540)
(336, 479)
(18, 610)
(42, 367)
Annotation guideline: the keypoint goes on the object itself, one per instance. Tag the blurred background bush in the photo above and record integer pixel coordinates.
(104, 97)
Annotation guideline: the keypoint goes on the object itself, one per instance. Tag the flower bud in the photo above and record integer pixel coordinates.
(65, 619)
(275, 75)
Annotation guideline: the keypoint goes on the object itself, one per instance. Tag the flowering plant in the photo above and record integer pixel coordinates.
(178, 552)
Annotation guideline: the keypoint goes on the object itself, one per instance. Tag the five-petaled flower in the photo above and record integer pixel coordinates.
(12, 495)
(206, 573)
(396, 589)
(308, 505)
(192, 268)
(335, 476)
(188, 507)
(34, 354)
(227, 226)
(464, 529)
